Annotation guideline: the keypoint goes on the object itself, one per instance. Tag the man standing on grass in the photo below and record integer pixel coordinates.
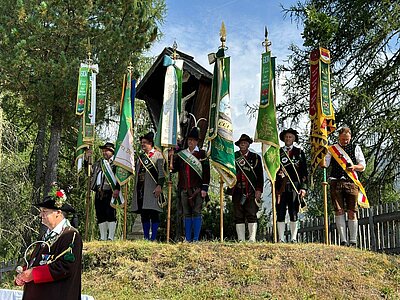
(348, 159)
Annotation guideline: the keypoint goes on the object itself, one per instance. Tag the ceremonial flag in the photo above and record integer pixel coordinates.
(168, 130)
(124, 151)
(266, 129)
(220, 130)
(321, 110)
(86, 109)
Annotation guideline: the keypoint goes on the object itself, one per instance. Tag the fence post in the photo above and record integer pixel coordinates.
(372, 230)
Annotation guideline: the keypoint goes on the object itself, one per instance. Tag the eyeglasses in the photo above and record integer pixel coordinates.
(46, 212)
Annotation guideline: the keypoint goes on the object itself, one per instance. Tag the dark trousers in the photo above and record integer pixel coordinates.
(289, 199)
(148, 215)
(191, 208)
(247, 211)
(104, 211)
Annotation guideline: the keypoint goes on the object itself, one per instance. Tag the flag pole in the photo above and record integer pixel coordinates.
(169, 197)
(90, 162)
(88, 194)
(170, 167)
(325, 191)
(275, 235)
(125, 192)
(221, 209)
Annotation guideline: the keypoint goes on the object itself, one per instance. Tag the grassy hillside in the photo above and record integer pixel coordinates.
(144, 270)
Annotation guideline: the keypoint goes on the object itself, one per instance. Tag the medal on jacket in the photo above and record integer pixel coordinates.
(45, 258)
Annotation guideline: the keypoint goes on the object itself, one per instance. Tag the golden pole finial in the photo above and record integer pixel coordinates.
(174, 47)
(89, 53)
(222, 34)
(130, 68)
(266, 42)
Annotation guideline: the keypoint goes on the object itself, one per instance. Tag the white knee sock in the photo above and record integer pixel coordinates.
(341, 227)
(353, 231)
(103, 230)
(111, 230)
(241, 232)
(281, 231)
(293, 231)
(252, 231)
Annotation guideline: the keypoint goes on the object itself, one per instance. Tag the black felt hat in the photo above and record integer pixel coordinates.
(194, 133)
(290, 130)
(149, 137)
(244, 137)
(50, 202)
(109, 146)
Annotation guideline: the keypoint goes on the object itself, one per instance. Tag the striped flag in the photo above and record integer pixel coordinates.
(220, 129)
(266, 129)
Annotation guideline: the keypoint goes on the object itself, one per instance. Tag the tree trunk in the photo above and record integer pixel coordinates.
(1, 130)
(39, 158)
(54, 149)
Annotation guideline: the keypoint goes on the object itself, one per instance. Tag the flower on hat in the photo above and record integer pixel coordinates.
(58, 196)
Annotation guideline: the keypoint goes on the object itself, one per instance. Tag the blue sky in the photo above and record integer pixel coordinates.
(195, 26)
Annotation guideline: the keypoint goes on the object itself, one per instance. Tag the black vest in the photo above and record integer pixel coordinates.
(337, 171)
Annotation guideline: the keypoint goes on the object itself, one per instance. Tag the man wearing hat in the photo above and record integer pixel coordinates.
(149, 181)
(103, 187)
(291, 183)
(193, 168)
(246, 194)
(54, 267)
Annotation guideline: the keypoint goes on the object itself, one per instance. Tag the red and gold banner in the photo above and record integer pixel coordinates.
(321, 110)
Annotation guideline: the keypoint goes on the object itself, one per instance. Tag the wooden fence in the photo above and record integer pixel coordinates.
(7, 266)
(378, 229)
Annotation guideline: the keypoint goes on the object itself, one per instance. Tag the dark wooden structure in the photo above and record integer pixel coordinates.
(196, 91)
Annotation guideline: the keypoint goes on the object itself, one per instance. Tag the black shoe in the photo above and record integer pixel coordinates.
(353, 244)
(343, 243)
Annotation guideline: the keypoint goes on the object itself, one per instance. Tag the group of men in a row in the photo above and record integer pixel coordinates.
(193, 169)
(53, 270)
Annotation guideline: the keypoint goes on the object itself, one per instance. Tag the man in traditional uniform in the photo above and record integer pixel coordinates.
(246, 194)
(150, 177)
(193, 168)
(291, 183)
(348, 158)
(54, 267)
(103, 182)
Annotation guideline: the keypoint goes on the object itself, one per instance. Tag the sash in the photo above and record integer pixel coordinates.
(342, 158)
(285, 162)
(192, 161)
(150, 167)
(247, 169)
(112, 181)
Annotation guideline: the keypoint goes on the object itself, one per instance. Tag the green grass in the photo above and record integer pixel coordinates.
(213, 270)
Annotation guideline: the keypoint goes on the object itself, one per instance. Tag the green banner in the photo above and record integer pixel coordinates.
(88, 129)
(83, 83)
(220, 130)
(266, 129)
(124, 151)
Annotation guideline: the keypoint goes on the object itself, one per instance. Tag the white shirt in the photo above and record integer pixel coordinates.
(56, 230)
(360, 159)
(194, 150)
(99, 179)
